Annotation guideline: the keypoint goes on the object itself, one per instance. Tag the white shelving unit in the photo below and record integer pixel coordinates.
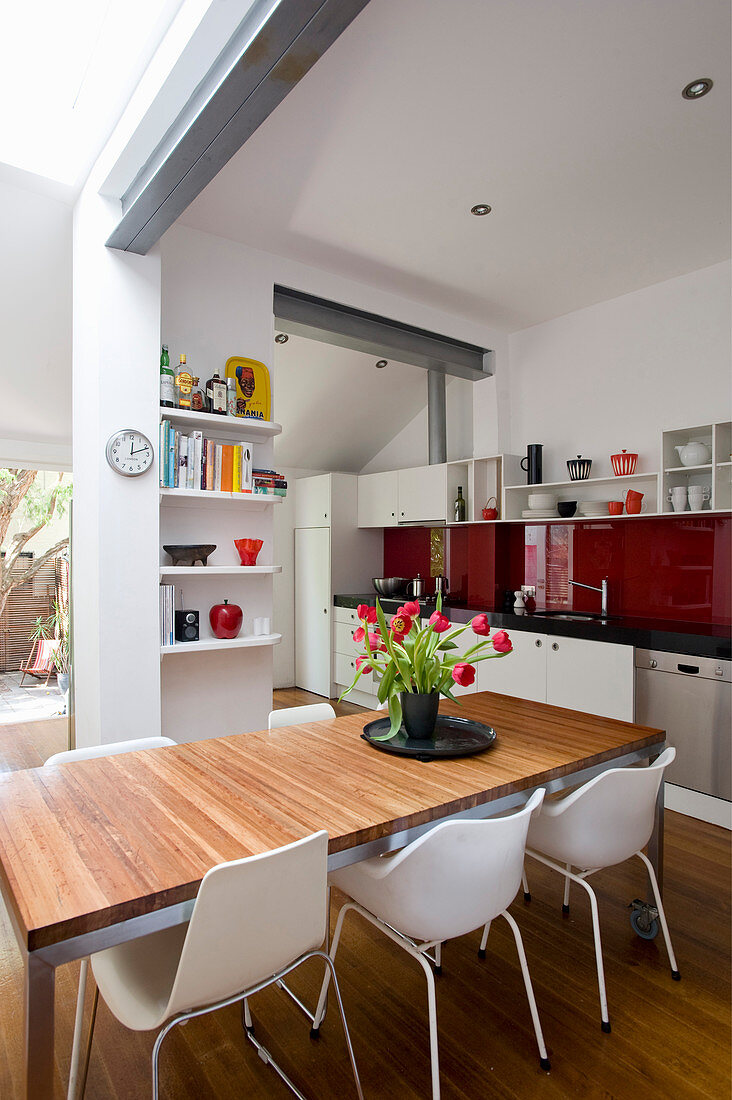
(224, 427)
(714, 475)
(247, 641)
(516, 497)
(217, 570)
(219, 518)
(255, 501)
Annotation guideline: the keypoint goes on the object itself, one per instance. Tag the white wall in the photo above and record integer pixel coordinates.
(411, 446)
(619, 373)
(35, 321)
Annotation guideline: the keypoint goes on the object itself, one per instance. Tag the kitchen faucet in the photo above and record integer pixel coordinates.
(593, 588)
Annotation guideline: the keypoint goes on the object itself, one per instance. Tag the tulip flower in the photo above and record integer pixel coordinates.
(501, 642)
(401, 624)
(439, 623)
(359, 634)
(362, 666)
(376, 642)
(481, 626)
(464, 675)
(366, 612)
(411, 609)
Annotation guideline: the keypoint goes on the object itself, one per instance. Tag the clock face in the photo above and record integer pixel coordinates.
(129, 452)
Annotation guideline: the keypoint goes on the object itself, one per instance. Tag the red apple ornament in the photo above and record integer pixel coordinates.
(226, 619)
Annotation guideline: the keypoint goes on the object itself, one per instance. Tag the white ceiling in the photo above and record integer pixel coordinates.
(565, 115)
(338, 409)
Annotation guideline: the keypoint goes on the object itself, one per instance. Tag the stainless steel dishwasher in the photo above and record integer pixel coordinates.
(691, 698)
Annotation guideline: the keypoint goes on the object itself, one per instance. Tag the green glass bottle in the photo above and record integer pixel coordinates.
(167, 380)
(460, 509)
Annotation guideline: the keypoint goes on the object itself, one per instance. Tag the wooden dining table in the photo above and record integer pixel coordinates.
(102, 851)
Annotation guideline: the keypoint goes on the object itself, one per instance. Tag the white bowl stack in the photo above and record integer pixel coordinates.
(593, 507)
(541, 506)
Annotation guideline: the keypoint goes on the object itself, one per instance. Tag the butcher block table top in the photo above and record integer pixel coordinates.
(87, 845)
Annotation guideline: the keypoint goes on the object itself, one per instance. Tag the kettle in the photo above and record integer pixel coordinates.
(415, 588)
(693, 453)
(441, 584)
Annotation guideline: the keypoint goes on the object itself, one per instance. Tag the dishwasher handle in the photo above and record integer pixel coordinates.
(693, 670)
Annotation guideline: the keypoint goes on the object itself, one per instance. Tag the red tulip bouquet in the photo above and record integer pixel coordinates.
(416, 662)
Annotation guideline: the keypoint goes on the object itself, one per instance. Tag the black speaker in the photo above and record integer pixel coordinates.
(186, 626)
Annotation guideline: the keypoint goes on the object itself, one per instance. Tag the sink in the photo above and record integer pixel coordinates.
(574, 616)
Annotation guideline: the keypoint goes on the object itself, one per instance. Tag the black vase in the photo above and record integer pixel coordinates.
(419, 714)
(533, 464)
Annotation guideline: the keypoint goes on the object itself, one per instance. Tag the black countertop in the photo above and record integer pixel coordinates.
(695, 639)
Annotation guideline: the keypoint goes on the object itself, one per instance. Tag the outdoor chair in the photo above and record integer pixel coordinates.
(42, 660)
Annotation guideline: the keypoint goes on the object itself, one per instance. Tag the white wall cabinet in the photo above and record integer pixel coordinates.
(313, 501)
(378, 499)
(423, 494)
(595, 677)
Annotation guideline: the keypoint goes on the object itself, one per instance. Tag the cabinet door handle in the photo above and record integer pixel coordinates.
(537, 643)
(325, 610)
(555, 646)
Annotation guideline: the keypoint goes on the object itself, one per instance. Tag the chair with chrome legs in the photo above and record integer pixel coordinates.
(444, 884)
(294, 716)
(72, 756)
(254, 920)
(601, 824)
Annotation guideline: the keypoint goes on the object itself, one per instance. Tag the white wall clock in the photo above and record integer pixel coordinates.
(129, 452)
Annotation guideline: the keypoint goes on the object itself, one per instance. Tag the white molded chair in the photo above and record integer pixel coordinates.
(72, 756)
(446, 883)
(254, 920)
(600, 824)
(295, 716)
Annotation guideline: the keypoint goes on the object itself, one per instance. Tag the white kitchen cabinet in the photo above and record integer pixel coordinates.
(521, 673)
(423, 494)
(596, 677)
(312, 610)
(378, 496)
(313, 501)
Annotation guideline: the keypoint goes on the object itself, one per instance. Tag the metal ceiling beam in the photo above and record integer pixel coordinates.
(304, 315)
(296, 35)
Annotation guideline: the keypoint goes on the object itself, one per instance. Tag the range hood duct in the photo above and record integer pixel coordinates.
(436, 418)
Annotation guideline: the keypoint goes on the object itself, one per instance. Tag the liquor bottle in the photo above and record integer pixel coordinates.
(198, 397)
(167, 380)
(231, 396)
(460, 510)
(216, 394)
(183, 384)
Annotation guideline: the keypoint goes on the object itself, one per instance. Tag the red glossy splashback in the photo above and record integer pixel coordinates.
(658, 568)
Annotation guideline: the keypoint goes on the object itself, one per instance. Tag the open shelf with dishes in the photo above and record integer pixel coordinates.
(696, 464)
(592, 494)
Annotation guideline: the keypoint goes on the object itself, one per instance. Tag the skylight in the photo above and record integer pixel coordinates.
(67, 71)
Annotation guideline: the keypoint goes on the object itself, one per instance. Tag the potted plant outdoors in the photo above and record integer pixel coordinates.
(417, 663)
(56, 626)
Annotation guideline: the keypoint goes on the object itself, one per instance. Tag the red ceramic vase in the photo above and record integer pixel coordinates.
(226, 619)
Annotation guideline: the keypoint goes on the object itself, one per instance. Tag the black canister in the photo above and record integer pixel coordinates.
(533, 463)
(579, 468)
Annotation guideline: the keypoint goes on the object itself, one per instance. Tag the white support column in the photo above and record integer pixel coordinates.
(116, 347)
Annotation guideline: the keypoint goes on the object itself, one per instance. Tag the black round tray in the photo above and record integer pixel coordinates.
(453, 737)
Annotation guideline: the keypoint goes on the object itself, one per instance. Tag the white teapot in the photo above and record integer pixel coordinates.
(693, 453)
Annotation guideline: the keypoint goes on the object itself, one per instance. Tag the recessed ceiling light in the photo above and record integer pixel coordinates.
(480, 210)
(381, 363)
(698, 88)
(281, 338)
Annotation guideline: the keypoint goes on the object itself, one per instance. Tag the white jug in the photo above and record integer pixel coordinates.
(693, 453)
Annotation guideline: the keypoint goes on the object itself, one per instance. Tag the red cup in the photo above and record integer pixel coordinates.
(248, 550)
(615, 507)
(633, 502)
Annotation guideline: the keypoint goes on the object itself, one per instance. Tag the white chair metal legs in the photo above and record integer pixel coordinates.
(443, 885)
(254, 920)
(293, 716)
(603, 823)
(71, 756)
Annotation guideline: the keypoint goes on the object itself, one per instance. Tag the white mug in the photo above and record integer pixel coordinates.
(261, 626)
(697, 495)
(678, 497)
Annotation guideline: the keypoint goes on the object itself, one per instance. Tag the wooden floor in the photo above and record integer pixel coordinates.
(669, 1039)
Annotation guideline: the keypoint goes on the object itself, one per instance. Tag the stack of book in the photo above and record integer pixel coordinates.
(167, 604)
(195, 461)
(269, 481)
